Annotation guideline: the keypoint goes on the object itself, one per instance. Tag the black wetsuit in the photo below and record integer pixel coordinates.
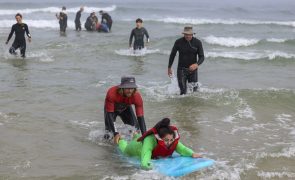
(63, 21)
(188, 52)
(105, 17)
(89, 24)
(20, 40)
(77, 21)
(138, 37)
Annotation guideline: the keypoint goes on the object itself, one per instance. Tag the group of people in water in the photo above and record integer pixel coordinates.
(92, 23)
(161, 140)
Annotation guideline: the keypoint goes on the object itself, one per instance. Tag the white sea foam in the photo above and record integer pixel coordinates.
(276, 40)
(251, 55)
(55, 10)
(84, 124)
(274, 175)
(52, 24)
(222, 21)
(285, 153)
(230, 41)
(40, 56)
(3, 115)
(131, 52)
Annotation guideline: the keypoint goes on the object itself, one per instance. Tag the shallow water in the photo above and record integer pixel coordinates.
(51, 103)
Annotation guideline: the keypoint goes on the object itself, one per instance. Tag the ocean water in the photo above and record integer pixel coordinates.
(51, 103)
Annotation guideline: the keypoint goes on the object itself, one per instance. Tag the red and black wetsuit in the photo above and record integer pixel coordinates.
(118, 105)
(188, 52)
(20, 40)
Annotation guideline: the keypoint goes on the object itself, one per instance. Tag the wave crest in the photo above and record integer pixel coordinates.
(55, 10)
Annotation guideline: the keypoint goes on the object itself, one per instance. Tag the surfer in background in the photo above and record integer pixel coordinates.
(19, 29)
(63, 20)
(158, 142)
(138, 34)
(77, 19)
(106, 18)
(188, 48)
(119, 101)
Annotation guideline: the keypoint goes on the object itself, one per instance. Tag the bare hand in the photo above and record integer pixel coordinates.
(193, 67)
(170, 72)
(6, 42)
(117, 139)
(195, 155)
(29, 39)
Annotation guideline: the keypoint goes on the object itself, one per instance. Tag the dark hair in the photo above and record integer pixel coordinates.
(18, 14)
(163, 128)
(101, 11)
(164, 131)
(138, 20)
(63, 8)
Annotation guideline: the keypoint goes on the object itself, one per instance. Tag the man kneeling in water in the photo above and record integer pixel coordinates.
(119, 101)
(160, 141)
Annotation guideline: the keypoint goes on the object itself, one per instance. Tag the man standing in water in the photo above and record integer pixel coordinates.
(138, 34)
(19, 29)
(77, 19)
(63, 20)
(119, 101)
(188, 48)
(106, 18)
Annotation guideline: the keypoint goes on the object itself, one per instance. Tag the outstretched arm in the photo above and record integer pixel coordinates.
(28, 32)
(131, 38)
(147, 35)
(149, 143)
(10, 34)
(185, 151)
(141, 124)
(200, 52)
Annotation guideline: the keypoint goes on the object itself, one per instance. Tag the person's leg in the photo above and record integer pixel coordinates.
(23, 49)
(193, 80)
(13, 48)
(128, 117)
(109, 25)
(182, 79)
(77, 26)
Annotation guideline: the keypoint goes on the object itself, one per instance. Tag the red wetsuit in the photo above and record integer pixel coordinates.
(118, 105)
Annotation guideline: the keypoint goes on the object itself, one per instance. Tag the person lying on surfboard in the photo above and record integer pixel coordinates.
(158, 142)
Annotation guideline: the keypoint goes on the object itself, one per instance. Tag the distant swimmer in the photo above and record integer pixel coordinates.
(63, 20)
(138, 34)
(91, 22)
(119, 101)
(188, 48)
(77, 19)
(159, 142)
(106, 18)
(19, 41)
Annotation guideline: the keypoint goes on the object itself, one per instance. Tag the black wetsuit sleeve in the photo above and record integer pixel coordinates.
(27, 31)
(110, 118)
(11, 33)
(146, 33)
(172, 54)
(200, 52)
(131, 37)
(141, 124)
